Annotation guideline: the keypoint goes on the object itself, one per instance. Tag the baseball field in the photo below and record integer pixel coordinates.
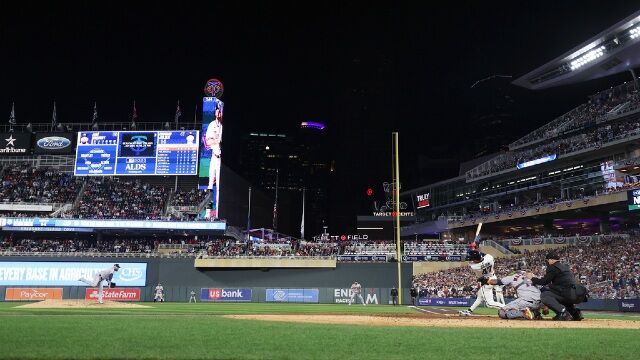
(80, 330)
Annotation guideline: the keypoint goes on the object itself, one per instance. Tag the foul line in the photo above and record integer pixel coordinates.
(427, 311)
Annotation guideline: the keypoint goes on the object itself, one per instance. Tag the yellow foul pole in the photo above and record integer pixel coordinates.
(395, 166)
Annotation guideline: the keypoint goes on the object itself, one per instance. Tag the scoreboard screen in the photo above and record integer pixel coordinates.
(108, 153)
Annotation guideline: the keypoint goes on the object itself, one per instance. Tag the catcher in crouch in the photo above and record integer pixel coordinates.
(528, 302)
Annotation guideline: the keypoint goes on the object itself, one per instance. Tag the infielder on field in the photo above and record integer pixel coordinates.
(99, 278)
(482, 266)
(356, 290)
(528, 300)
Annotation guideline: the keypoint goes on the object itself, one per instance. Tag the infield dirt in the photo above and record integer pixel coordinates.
(433, 320)
(87, 304)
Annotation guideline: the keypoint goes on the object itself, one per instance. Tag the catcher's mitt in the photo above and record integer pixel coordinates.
(545, 310)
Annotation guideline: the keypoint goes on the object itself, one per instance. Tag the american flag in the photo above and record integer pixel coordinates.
(135, 112)
(178, 113)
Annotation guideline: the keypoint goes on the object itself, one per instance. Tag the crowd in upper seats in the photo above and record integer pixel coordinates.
(38, 185)
(593, 111)
(526, 205)
(188, 198)
(610, 269)
(113, 198)
(590, 136)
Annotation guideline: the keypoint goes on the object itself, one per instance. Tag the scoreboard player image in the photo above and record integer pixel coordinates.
(211, 152)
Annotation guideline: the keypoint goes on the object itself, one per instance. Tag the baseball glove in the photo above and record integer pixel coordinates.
(545, 310)
(483, 280)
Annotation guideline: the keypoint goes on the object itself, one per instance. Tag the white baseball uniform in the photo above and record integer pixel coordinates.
(214, 136)
(485, 268)
(159, 296)
(356, 290)
(98, 280)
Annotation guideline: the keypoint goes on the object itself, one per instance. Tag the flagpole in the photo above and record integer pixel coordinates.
(275, 205)
(249, 215)
(195, 120)
(302, 224)
(396, 208)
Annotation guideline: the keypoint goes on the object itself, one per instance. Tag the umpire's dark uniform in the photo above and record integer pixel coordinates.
(561, 293)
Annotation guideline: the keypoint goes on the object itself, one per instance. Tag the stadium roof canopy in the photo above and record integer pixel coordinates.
(615, 50)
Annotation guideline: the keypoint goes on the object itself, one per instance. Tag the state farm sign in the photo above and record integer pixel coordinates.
(115, 294)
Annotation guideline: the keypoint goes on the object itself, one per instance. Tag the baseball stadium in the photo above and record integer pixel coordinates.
(131, 240)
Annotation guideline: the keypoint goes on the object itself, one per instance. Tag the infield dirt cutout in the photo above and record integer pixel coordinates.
(429, 320)
(85, 304)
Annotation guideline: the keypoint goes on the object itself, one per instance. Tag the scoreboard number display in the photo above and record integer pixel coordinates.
(109, 153)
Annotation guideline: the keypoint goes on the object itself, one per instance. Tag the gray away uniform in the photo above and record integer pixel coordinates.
(528, 296)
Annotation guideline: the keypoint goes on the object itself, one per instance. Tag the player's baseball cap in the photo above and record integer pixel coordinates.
(117, 266)
(552, 255)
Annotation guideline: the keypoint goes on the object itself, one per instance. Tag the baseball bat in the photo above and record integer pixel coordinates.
(478, 230)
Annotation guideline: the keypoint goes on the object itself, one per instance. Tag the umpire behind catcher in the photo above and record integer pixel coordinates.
(562, 291)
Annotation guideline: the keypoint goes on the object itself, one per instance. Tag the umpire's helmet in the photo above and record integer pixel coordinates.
(474, 255)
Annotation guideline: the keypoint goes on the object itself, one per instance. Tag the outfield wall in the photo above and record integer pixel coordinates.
(179, 276)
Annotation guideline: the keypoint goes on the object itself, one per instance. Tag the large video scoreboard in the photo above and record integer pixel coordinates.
(108, 153)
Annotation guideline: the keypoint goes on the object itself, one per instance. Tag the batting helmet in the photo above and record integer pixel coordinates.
(474, 255)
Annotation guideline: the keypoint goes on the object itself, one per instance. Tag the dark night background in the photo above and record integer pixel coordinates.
(364, 70)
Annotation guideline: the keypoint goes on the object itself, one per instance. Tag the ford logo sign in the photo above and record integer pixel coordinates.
(53, 143)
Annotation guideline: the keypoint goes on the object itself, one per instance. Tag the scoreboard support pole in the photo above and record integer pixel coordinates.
(395, 170)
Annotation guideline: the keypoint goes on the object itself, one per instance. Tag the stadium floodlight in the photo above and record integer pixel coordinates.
(634, 32)
(587, 58)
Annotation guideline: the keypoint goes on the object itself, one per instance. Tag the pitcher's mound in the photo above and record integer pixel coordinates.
(87, 304)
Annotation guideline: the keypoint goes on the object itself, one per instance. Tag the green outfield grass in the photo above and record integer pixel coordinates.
(188, 331)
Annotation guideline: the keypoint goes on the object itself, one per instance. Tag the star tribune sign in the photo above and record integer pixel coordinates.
(10, 146)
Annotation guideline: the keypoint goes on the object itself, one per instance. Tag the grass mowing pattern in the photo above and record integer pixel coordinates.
(187, 331)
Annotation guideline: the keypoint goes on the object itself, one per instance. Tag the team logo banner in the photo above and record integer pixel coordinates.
(15, 144)
(54, 143)
(115, 294)
(33, 294)
(219, 294)
(292, 295)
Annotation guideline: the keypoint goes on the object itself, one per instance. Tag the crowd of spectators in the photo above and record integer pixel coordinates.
(609, 268)
(27, 184)
(134, 245)
(595, 110)
(592, 133)
(121, 199)
(188, 198)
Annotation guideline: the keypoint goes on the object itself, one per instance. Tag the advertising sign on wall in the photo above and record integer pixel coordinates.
(15, 144)
(444, 301)
(292, 295)
(115, 294)
(629, 305)
(32, 294)
(54, 143)
(342, 296)
(219, 294)
(59, 273)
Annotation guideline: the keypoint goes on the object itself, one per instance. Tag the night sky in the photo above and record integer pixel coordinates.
(364, 69)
